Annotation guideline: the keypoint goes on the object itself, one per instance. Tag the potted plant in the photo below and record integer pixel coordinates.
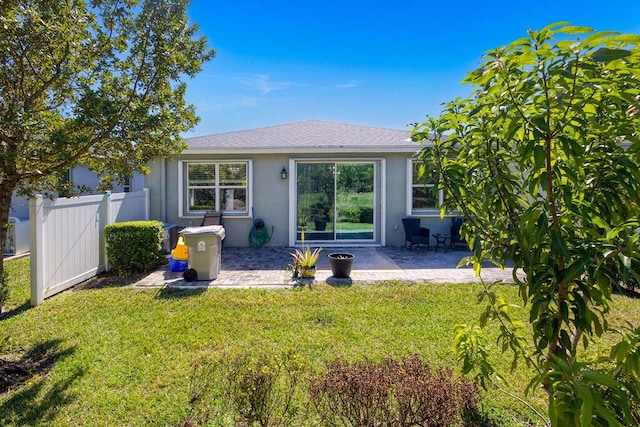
(302, 223)
(320, 213)
(304, 261)
(341, 264)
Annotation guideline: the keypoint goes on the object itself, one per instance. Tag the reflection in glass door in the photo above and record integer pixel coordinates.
(315, 201)
(335, 201)
(354, 201)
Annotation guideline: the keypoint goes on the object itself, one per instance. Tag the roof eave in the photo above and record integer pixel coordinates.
(291, 150)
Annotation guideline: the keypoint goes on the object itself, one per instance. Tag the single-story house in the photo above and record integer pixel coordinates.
(340, 184)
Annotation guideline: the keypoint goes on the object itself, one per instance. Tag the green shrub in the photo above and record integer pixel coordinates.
(134, 247)
(350, 215)
(366, 216)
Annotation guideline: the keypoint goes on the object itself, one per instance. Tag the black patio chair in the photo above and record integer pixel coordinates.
(414, 234)
(456, 240)
(212, 218)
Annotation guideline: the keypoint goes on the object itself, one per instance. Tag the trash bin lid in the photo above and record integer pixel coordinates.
(217, 230)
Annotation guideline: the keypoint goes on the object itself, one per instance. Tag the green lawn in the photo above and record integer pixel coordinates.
(122, 356)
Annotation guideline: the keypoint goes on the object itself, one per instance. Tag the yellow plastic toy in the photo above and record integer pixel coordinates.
(181, 252)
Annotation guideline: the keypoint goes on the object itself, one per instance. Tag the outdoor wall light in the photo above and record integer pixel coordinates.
(283, 173)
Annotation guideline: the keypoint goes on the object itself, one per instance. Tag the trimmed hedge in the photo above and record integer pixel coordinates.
(357, 215)
(135, 246)
(350, 215)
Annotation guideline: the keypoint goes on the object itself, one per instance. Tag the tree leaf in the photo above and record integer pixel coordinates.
(606, 54)
(572, 29)
(586, 408)
(600, 378)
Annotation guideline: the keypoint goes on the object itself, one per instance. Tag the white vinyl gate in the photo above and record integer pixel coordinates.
(67, 237)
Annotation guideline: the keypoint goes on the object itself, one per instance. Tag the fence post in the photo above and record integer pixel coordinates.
(147, 205)
(108, 219)
(36, 243)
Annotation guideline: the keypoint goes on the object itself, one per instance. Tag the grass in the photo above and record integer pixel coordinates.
(123, 356)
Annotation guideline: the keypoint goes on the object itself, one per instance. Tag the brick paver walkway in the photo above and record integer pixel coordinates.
(265, 267)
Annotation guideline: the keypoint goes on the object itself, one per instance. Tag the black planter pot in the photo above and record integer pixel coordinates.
(341, 264)
(320, 224)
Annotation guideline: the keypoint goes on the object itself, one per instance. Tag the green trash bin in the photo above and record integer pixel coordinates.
(205, 244)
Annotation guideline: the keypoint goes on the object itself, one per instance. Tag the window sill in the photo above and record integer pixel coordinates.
(225, 216)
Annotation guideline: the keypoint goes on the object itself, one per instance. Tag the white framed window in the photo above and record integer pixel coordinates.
(421, 181)
(211, 185)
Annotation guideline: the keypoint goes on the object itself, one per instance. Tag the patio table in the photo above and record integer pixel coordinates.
(441, 240)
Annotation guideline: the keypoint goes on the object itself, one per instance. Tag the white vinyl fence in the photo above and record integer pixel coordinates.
(67, 237)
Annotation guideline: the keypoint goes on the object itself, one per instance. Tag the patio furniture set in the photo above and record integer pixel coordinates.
(415, 235)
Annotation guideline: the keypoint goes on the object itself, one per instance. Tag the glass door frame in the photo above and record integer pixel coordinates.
(379, 200)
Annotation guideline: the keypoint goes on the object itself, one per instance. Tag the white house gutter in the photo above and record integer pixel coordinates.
(163, 189)
(302, 150)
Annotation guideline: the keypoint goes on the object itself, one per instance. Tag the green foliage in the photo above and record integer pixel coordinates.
(357, 215)
(135, 246)
(542, 161)
(97, 84)
(366, 215)
(320, 210)
(350, 214)
(304, 260)
(355, 178)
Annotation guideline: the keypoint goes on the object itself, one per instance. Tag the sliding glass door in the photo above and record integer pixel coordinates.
(335, 201)
(315, 200)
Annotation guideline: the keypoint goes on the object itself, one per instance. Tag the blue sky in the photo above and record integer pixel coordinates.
(377, 63)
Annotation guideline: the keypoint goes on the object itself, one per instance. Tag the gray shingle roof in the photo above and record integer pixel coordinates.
(312, 135)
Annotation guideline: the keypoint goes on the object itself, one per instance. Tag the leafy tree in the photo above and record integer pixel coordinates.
(542, 160)
(96, 84)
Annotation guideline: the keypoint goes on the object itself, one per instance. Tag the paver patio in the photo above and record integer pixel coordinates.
(265, 267)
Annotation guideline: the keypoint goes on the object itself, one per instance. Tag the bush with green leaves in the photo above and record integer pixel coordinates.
(542, 161)
(391, 393)
(366, 215)
(135, 246)
(350, 214)
(105, 89)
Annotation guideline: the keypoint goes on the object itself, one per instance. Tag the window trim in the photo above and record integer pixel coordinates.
(410, 210)
(183, 188)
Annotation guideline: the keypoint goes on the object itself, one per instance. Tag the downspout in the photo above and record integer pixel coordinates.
(163, 189)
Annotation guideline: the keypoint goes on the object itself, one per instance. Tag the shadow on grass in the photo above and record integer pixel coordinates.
(339, 283)
(109, 280)
(15, 311)
(36, 402)
(169, 292)
(629, 292)
(476, 418)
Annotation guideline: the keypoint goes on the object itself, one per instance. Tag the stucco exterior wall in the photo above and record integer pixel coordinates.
(269, 192)
(396, 198)
(271, 196)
